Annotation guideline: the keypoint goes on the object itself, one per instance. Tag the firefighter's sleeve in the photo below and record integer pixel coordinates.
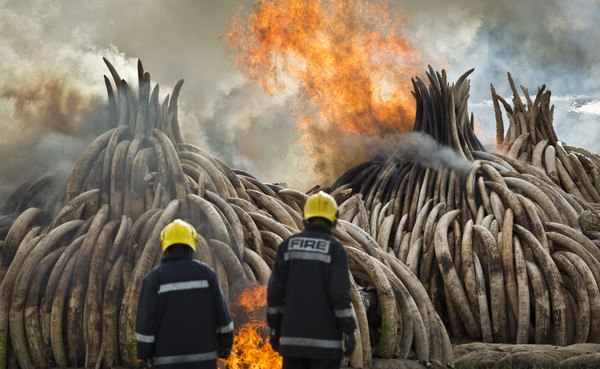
(340, 290)
(146, 317)
(276, 291)
(222, 316)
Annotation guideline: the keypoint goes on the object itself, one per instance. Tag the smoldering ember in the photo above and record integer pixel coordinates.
(503, 250)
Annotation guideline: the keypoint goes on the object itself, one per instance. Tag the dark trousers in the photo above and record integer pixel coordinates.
(304, 363)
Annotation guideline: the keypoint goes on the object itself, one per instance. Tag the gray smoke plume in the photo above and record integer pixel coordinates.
(53, 100)
(419, 148)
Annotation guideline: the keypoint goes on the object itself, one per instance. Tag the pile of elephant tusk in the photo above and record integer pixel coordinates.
(502, 252)
(515, 237)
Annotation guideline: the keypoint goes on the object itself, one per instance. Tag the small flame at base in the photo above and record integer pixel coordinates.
(251, 349)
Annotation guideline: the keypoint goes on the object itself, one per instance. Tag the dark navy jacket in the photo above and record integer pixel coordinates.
(308, 295)
(182, 318)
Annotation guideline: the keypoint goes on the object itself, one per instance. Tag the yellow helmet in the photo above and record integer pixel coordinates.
(178, 231)
(321, 205)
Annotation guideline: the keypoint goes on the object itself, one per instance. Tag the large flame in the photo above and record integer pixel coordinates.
(251, 349)
(348, 61)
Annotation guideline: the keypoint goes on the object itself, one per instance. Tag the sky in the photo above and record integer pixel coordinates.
(53, 100)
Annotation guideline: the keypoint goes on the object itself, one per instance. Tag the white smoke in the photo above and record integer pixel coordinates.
(53, 100)
(588, 108)
(416, 147)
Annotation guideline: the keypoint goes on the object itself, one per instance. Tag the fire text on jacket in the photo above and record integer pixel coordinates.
(309, 244)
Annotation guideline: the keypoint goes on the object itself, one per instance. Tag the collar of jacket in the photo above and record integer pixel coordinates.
(318, 227)
(176, 257)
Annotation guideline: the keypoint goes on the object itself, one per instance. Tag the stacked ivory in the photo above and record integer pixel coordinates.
(75, 248)
(507, 250)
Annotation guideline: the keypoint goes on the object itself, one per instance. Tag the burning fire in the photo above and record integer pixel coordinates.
(348, 60)
(251, 349)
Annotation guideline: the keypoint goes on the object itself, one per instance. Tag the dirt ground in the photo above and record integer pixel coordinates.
(479, 355)
(509, 356)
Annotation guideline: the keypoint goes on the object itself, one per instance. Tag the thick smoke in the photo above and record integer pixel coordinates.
(419, 148)
(50, 104)
(53, 100)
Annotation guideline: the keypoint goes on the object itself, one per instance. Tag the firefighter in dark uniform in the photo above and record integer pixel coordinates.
(182, 319)
(309, 308)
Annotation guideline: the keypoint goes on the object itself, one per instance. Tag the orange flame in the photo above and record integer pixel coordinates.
(348, 59)
(251, 349)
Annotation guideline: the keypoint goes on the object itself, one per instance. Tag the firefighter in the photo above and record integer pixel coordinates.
(309, 309)
(182, 319)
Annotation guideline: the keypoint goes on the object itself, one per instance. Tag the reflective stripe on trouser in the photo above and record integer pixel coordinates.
(144, 338)
(226, 328)
(310, 342)
(343, 313)
(274, 310)
(179, 359)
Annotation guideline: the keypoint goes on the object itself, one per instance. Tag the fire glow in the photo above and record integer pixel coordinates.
(348, 60)
(251, 349)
